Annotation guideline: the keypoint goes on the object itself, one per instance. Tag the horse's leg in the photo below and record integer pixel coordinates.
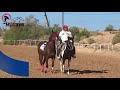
(69, 60)
(53, 59)
(63, 65)
(43, 63)
(46, 59)
(41, 59)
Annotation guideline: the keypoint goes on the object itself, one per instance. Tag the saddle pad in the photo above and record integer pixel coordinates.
(43, 46)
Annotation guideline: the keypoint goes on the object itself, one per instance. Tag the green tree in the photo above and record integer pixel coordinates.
(77, 37)
(0, 32)
(56, 28)
(85, 33)
(109, 28)
(74, 30)
(34, 27)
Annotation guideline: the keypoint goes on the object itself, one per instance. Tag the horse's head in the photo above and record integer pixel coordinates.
(53, 36)
(70, 43)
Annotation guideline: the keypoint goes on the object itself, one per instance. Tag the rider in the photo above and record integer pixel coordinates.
(63, 37)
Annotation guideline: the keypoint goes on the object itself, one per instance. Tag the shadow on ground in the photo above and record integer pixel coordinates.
(87, 71)
(74, 71)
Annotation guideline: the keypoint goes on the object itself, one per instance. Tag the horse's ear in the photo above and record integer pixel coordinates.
(52, 31)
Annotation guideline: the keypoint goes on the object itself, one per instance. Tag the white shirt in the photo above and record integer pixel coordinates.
(64, 35)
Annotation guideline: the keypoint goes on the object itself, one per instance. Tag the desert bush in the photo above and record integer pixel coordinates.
(109, 28)
(85, 33)
(90, 41)
(116, 38)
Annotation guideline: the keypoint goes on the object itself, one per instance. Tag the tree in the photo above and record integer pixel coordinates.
(34, 27)
(1, 33)
(56, 28)
(109, 28)
(0, 29)
(85, 33)
(74, 30)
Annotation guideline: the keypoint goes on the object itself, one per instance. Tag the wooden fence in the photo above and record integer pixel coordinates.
(107, 47)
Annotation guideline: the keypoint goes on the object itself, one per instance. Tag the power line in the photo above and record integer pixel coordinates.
(91, 14)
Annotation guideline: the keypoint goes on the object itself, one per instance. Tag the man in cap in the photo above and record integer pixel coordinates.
(63, 37)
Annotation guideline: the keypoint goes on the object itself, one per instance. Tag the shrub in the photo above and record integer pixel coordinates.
(85, 33)
(90, 41)
(74, 30)
(109, 28)
(116, 38)
(77, 37)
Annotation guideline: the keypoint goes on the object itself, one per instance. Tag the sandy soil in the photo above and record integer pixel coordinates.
(88, 64)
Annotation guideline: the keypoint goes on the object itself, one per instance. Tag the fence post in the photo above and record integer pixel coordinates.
(30, 42)
(36, 42)
(94, 47)
(19, 42)
(14, 42)
(112, 47)
(104, 47)
(108, 47)
(24, 42)
(100, 47)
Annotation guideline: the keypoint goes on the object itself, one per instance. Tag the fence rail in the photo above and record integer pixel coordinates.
(107, 47)
(23, 42)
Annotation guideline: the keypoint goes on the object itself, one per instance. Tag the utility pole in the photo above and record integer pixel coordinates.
(47, 20)
(62, 18)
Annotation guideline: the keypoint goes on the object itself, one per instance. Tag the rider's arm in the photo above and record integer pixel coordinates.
(60, 35)
(70, 34)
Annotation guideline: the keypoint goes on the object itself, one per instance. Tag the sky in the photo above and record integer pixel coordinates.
(90, 20)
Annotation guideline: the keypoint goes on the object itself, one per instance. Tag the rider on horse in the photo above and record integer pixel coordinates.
(63, 37)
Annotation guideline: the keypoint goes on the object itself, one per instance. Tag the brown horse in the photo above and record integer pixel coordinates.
(48, 52)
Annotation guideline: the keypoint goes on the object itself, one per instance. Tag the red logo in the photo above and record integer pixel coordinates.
(6, 18)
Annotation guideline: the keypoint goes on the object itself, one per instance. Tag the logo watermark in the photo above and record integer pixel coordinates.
(12, 22)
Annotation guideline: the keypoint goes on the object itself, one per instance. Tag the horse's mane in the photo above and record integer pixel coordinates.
(53, 35)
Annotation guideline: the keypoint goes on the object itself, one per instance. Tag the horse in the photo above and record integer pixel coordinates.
(67, 53)
(48, 52)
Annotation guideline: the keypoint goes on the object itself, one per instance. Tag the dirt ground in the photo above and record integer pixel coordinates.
(88, 64)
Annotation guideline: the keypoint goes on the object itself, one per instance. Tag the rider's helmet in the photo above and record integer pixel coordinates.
(65, 27)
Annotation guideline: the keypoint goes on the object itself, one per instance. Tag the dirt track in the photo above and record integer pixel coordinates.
(88, 64)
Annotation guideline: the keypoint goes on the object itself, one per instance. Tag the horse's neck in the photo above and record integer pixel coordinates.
(51, 44)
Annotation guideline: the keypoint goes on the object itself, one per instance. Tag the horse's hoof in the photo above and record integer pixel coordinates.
(53, 71)
(68, 73)
(45, 71)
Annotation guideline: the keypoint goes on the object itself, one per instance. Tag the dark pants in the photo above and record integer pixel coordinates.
(59, 48)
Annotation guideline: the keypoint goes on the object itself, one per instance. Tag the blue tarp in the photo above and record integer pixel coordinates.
(12, 66)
